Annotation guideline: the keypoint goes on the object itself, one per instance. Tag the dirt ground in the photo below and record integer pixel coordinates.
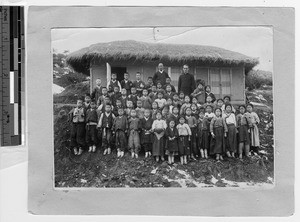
(96, 170)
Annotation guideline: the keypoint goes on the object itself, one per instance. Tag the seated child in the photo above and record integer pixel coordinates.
(77, 116)
(158, 127)
(91, 126)
(105, 124)
(146, 133)
(172, 142)
(134, 144)
(120, 129)
(184, 139)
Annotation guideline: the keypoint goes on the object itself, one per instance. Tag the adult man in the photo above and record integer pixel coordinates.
(160, 75)
(186, 81)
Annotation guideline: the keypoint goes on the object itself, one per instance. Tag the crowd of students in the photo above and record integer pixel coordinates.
(133, 116)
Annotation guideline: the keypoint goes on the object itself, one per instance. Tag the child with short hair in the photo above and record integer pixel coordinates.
(146, 133)
(158, 128)
(209, 93)
(176, 101)
(168, 83)
(195, 111)
(169, 104)
(209, 102)
(77, 117)
(117, 107)
(126, 83)
(153, 93)
(139, 109)
(113, 82)
(134, 144)
(124, 98)
(171, 143)
(133, 96)
(130, 107)
(199, 93)
(138, 84)
(220, 103)
(119, 128)
(230, 121)
(101, 108)
(91, 126)
(192, 123)
(149, 83)
(185, 105)
(116, 95)
(168, 93)
(181, 97)
(174, 115)
(195, 101)
(184, 133)
(227, 100)
(254, 131)
(87, 100)
(102, 97)
(161, 102)
(243, 119)
(105, 123)
(218, 130)
(97, 91)
(154, 110)
(203, 134)
(159, 87)
(146, 101)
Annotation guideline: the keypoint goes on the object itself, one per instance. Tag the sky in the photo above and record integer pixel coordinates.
(251, 41)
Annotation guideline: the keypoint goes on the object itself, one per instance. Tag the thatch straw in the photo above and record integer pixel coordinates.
(149, 52)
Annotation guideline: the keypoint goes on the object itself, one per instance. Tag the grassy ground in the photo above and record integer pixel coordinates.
(96, 170)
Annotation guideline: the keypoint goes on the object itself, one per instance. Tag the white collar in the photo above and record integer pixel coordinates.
(161, 71)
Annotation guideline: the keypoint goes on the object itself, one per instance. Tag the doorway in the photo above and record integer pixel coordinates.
(119, 71)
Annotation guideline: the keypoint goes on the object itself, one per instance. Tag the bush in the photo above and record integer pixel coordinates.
(255, 79)
(70, 79)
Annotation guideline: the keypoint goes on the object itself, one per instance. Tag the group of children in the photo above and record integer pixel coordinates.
(162, 122)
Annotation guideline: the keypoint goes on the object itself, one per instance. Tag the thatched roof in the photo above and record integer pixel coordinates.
(157, 52)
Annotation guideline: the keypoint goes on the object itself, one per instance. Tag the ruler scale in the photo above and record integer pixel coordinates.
(12, 57)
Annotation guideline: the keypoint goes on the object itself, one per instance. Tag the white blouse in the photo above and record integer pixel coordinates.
(159, 124)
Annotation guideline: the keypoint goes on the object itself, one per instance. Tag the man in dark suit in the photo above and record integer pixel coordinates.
(186, 82)
(160, 75)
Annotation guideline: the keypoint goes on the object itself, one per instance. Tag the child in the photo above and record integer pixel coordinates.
(116, 95)
(195, 111)
(184, 133)
(126, 83)
(77, 116)
(139, 109)
(153, 94)
(209, 93)
(169, 93)
(123, 97)
(230, 121)
(192, 123)
(97, 91)
(208, 116)
(146, 101)
(254, 132)
(203, 134)
(105, 123)
(199, 94)
(168, 83)
(185, 105)
(133, 96)
(159, 87)
(154, 110)
(87, 100)
(120, 130)
(130, 107)
(117, 107)
(243, 119)
(195, 101)
(181, 97)
(138, 84)
(172, 143)
(101, 108)
(102, 97)
(146, 134)
(227, 100)
(149, 83)
(218, 130)
(220, 103)
(91, 126)
(209, 102)
(174, 116)
(161, 102)
(169, 104)
(176, 101)
(113, 82)
(158, 127)
(165, 112)
(134, 144)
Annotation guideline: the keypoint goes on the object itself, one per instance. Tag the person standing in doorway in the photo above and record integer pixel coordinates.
(186, 81)
(161, 75)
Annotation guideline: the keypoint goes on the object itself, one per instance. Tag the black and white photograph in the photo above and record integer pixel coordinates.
(183, 107)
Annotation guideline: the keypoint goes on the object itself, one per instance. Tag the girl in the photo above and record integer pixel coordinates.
(254, 132)
(203, 134)
(218, 130)
(195, 111)
(230, 121)
(174, 116)
(184, 133)
(176, 101)
(199, 94)
(158, 127)
(185, 104)
(181, 97)
(154, 110)
(161, 102)
(91, 126)
(243, 119)
(195, 101)
(146, 101)
(146, 134)
(227, 100)
(192, 122)
(209, 93)
(170, 105)
(171, 144)
(209, 102)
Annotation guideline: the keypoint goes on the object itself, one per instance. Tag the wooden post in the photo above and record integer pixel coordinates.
(108, 72)
(169, 72)
(91, 78)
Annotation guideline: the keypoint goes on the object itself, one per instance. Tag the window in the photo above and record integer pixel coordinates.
(220, 81)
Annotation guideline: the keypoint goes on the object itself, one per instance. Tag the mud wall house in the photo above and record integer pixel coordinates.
(223, 69)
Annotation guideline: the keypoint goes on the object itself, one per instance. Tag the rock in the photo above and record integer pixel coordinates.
(190, 184)
(174, 184)
(164, 164)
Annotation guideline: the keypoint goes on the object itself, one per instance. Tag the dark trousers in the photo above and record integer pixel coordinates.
(78, 135)
(121, 140)
(106, 138)
(91, 135)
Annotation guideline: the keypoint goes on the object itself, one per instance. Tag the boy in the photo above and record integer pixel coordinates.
(138, 84)
(160, 100)
(77, 116)
(120, 129)
(168, 83)
(146, 134)
(159, 87)
(126, 83)
(153, 94)
(117, 107)
(113, 82)
(169, 93)
(133, 96)
(87, 100)
(97, 91)
(130, 107)
(101, 108)
(116, 95)
(139, 109)
(149, 83)
(134, 138)
(105, 123)
(91, 127)
(146, 101)
(123, 97)
(176, 101)
(102, 97)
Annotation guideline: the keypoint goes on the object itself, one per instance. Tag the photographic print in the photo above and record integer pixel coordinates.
(185, 107)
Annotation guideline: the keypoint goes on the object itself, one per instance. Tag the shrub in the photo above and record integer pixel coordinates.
(255, 79)
(69, 79)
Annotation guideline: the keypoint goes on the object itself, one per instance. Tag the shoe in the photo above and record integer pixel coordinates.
(149, 154)
(162, 159)
(90, 149)
(75, 151)
(122, 154)
(94, 149)
(105, 152)
(146, 154)
(136, 156)
(80, 151)
(108, 151)
(118, 154)
(132, 155)
(221, 158)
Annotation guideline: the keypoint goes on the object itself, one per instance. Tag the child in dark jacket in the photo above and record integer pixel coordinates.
(120, 127)
(146, 133)
(134, 144)
(91, 127)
